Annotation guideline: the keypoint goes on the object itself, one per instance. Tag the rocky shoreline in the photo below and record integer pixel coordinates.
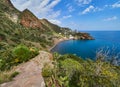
(83, 36)
(79, 36)
(57, 41)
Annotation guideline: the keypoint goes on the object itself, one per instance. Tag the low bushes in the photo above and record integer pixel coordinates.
(6, 76)
(47, 71)
(14, 56)
(72, 71)
(22, 53)
(11, 57)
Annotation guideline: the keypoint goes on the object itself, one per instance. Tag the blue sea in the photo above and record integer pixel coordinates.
(88, 48)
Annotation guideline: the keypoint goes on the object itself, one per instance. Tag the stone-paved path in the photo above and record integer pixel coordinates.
(30, 72)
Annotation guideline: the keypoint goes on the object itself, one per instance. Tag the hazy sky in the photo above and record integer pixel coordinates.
(76, 14)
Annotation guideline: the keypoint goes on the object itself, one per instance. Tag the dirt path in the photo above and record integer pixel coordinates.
(30, 72)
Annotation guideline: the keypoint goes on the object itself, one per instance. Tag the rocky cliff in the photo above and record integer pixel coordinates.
(28, 19)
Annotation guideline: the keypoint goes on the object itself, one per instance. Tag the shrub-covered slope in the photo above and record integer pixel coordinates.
(24, 28)
(72, 71)
(21, 28)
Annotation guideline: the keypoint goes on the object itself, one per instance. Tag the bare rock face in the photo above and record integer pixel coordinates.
(30, 72)
(28, 19)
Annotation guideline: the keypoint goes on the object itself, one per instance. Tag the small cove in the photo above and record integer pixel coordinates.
(88, 48)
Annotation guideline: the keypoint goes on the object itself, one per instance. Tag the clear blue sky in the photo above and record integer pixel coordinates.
(76, 14)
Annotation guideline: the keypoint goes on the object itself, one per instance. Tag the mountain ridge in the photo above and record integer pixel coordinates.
(28, 19)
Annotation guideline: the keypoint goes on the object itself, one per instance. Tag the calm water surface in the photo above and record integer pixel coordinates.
(88, 48)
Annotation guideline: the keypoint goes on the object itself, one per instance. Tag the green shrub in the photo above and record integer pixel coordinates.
(13, 56)
(14, 74)
(46, 71)
(1, 63)
(34, 51)
(43, 45)
(21, 53)
(6, 76)
(72, 71)
(5, 59)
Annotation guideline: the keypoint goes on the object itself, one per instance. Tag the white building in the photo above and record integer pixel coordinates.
(71, 37)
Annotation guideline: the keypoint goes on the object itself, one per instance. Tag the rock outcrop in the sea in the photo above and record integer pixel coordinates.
(83, 36)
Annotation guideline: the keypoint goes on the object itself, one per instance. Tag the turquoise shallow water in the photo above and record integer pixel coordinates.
(88, 48)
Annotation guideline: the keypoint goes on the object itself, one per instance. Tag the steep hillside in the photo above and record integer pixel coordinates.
(29, 20)
(14, 32)
(8, 3)
(22, 27)
(7, 7)
(51, 26)
(25, 28)
(54, 27)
